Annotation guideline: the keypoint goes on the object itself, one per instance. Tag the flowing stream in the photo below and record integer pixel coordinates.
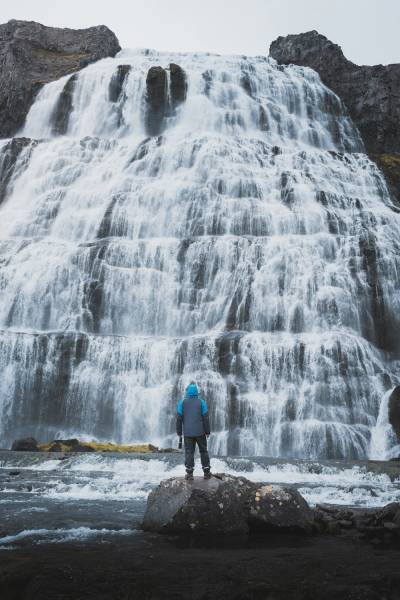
(47, 500)
(251, 246)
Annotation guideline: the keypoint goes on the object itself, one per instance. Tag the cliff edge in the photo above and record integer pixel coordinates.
(371, 93)
(32, 54)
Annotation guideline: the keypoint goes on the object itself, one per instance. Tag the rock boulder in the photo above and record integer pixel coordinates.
(212, 507)
(28, 444)
(224, 505)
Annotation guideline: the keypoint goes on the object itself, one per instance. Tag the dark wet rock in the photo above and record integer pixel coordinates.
(245, 82)
(212, 507)
(178, 85)
(8, 161)
(394, 410)
(63, 108)
(156, 100)
(28, 444)
(371, 93)
(159, 103)
(389, 514)
(117, 82)
(374, 525)
(32, 54)
(378, 320)
(274, 507)
(224, 505)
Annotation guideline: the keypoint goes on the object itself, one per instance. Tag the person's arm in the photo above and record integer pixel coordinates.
(179, 418)
(205, 417)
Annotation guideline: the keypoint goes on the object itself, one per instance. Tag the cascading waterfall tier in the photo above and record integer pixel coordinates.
(237, 235)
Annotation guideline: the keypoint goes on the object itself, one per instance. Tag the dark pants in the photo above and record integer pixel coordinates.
(190, 446)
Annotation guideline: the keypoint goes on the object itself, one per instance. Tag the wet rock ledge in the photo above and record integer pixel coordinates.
(32, 55)
(73, 445)
(228, 505)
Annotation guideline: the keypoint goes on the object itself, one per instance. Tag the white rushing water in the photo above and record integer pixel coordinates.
(100, 497)
(88, 479)
(252, 247)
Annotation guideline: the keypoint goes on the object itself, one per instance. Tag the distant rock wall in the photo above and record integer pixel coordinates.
(32, 55)
(371, 93)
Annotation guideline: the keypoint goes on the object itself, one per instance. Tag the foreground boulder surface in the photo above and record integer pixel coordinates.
(371, 93)
(32, 54)
(279, 507)
(224, 505)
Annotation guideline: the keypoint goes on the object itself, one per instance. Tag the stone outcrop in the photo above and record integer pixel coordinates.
(161, 102)
(394, 410)
(371, 93)
(224, 505)
(156, 100)
(32, 55)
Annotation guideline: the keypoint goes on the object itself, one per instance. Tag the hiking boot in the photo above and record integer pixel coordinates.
(207, 474)
(189, 476)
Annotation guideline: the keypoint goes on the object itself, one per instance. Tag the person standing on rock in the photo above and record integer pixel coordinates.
(193, 421)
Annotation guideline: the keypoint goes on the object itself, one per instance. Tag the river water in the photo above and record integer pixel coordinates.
(98, 497)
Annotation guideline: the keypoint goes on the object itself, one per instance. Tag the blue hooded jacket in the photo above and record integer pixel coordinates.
(192, 414)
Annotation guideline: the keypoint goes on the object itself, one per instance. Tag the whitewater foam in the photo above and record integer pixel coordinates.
(61, 535)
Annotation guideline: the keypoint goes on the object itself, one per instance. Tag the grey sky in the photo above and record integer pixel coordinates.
(367, 30)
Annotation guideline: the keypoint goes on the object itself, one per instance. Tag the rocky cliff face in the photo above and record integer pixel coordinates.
(371, 93)
(32, 55)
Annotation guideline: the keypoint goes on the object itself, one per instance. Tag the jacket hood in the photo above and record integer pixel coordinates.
(192, 390)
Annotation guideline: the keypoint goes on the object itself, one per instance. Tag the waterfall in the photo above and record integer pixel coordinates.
(251, 246)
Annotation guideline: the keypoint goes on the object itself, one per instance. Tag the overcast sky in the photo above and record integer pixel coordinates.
(367, 30)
